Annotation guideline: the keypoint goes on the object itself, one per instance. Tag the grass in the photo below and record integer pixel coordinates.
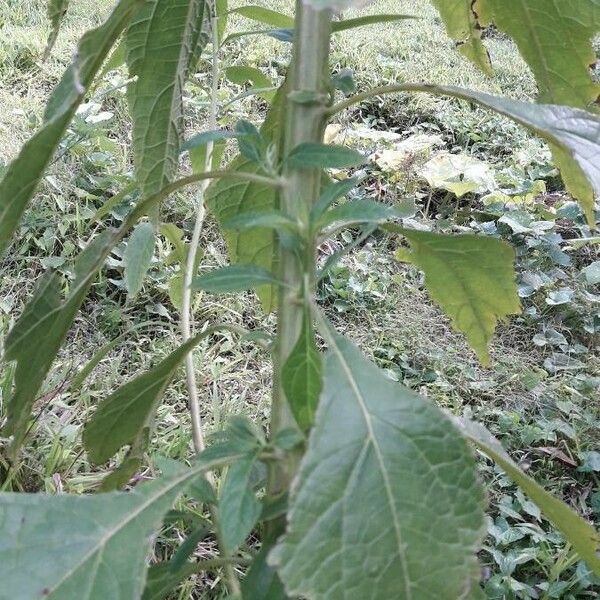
(377, 301)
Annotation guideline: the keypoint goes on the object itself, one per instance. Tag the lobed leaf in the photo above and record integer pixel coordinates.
(386, 503)
(472, 278)
(24, 173)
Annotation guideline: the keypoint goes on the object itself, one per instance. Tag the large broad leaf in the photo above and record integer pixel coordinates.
(162, 44)
(227, 198)
(24, 173)
(70, 547)
(581, 534)
(37, 336)
(462, 22)
(472, 278)
(386, 503)
(573, 134)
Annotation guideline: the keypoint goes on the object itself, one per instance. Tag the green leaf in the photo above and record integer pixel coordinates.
(357, 212)
(241, 74)
(346, 24)
(24, 173)
(163, 42)
(573, 134)
(227, 198)
(187, 547)
(262, 582)
(250, 142)
(162, 580)
(463, 24)
(138, 257)
(330, 194)
(324, 156)
(201, 139)
(122, 417)
(234, 278)
(222, 14)
(265, 15)
(472, 278)
(67, 547)
(302, 375)
(95, 545)
(239, 508)
(386, 503)
(581, 534)
(57, 9)
(274, 219)
(38, 334)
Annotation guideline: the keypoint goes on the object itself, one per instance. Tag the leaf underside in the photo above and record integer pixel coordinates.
(386, 503)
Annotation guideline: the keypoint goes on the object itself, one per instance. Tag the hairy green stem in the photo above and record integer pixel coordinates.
(307, 101)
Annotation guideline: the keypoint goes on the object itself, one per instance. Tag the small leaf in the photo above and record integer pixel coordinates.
(386, 503)
(239, 508)
(325, 156)
(357, 212)
(250, 142)
(262, 582)
(472, 278)
(241, 74)
(271, 219)
(188, 547)
(302, 375)
(162, 580)
(584, 538)
(265, 15)
(201, 139)
(346, 24)
(57, 9)
(234, 278)
(138, 257)
(330, 194)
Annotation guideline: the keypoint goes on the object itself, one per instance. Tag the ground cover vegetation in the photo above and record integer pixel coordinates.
(170, 370)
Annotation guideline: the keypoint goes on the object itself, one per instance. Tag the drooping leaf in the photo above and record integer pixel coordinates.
(265, 15)
(138, 257)
(162, 42)
(572, 133)
(227, 198)
(69, 547)
(472, 278)
(463, 24)
(239, 508)
(38, 334)
(386, 503)
(57, 9)
(584, 538)
(302, 375)
(234, 278)
(24, 173)
(324, 156)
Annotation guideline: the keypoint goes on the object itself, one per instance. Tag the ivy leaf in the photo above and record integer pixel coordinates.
(324, 156)
(227, 198)
(239, 508)
(581, 534)
(234, 278)
(163, 43)
(302, 375)
(472, 278)
(138, 257)
(386, 503)
(67, 547)
(24, 173)
(57, 9)
(38, 334)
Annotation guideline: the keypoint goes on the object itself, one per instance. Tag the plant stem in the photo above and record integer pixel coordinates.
(233, 583)
(190, 267)
(307, 102)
